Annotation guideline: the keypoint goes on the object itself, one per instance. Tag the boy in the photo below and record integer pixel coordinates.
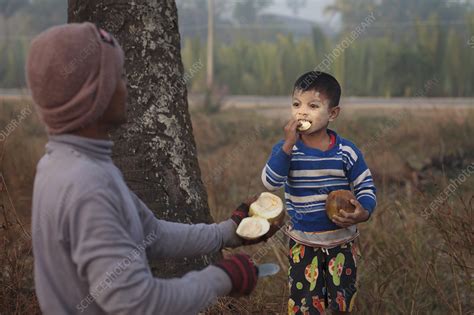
(311, 164)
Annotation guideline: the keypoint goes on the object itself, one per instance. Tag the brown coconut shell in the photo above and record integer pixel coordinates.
(339, 199)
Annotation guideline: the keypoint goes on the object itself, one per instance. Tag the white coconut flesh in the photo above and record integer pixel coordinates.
(304, 125)
(267, 209)
(253, 227)
(267, 206)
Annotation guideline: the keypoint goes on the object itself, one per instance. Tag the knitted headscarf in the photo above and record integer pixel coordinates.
(72, 71)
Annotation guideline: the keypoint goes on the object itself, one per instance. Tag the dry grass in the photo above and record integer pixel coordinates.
(16, 279)
(21, 146)
(411, 263)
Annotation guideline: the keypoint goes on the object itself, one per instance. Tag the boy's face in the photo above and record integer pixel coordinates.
(314, 107)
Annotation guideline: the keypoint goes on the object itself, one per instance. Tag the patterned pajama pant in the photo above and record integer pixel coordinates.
(322, 279)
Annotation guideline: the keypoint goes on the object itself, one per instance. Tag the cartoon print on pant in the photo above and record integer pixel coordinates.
(336, 265)
(304, 308)
(318, 304)
(290, 279)
(297, 252)
(320, 280)
(355, 253)
(311, 273)
(292, 308)
(341, 301)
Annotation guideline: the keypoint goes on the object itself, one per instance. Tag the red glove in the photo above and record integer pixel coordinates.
(242, 211)
(241, 271)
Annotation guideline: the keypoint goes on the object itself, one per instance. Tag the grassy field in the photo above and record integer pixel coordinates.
(416, 250)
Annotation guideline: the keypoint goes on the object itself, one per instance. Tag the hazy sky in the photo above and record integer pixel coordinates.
(313, 10)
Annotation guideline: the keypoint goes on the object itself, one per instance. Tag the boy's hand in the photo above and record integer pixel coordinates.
(291, 135)
(346, 219)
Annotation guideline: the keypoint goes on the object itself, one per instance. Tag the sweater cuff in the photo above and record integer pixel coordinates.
(229, 237)
(220, 280)
(282, 155)
(368, 203)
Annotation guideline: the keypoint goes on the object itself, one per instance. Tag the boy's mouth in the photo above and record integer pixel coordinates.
(303, 124)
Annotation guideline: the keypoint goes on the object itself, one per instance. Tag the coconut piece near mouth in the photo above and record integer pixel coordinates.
(267, 209)
(339, 199)
(304, 125)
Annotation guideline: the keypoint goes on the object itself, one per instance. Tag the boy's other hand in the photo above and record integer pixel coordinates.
(346, 219)
(291, 135)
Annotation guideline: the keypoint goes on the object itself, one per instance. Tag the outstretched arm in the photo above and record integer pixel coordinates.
(179, 240)
(116, 268)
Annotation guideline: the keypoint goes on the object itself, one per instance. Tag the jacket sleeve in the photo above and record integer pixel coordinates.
(275, 172)
(178, 240)
(117, 271)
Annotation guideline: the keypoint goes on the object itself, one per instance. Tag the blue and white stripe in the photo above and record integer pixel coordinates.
(309, 175)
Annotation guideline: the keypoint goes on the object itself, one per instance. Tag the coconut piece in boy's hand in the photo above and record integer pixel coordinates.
(304, 125)
(339, 199)
(266, 210)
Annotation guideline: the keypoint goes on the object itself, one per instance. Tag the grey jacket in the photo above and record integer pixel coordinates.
(92, 236)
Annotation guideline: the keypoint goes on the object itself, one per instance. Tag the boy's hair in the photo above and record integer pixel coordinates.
(321, 82)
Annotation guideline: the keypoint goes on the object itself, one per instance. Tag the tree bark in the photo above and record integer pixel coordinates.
(155, 150)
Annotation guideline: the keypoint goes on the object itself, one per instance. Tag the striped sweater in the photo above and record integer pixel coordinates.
(310, 174)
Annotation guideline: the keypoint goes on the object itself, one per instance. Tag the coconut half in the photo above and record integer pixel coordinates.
(267, 206)
(267, 209)
(253, 227)
(304, 125)
(339, 199)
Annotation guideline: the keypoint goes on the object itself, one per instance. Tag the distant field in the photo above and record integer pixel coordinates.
(413, 261)
(253, 101)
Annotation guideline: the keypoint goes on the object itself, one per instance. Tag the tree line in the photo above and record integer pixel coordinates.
(397, 62)
(408, 44)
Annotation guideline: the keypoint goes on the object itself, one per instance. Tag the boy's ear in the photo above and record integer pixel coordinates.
(334, 112)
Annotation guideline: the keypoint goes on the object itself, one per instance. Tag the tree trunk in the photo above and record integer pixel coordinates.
(155, 150)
